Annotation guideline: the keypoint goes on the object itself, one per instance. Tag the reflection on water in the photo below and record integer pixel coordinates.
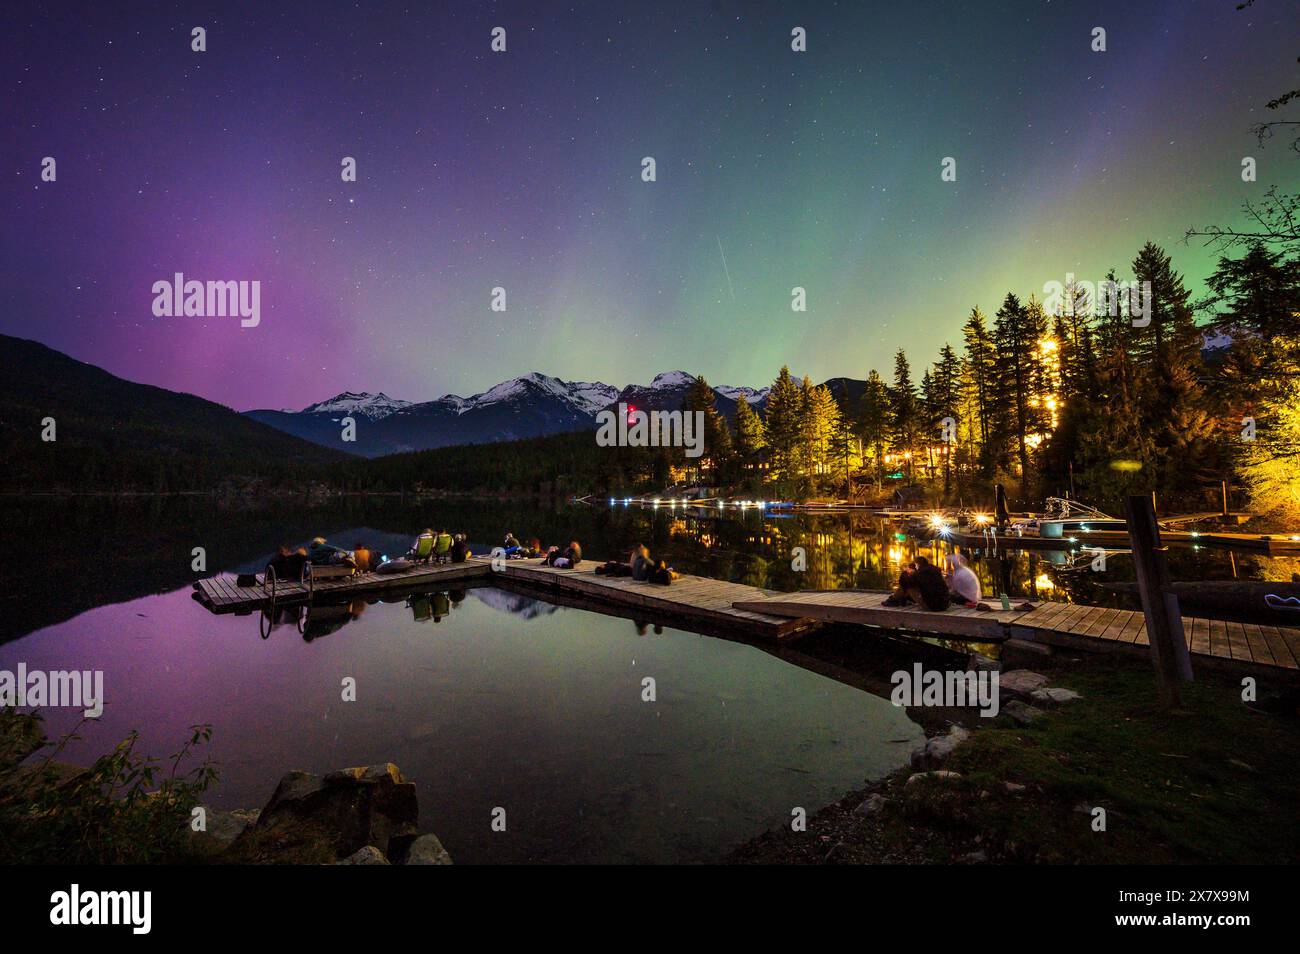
(484, 697)
(494, 700)
(126, 549)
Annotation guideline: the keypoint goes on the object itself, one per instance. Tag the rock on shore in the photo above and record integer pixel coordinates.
(364, 815)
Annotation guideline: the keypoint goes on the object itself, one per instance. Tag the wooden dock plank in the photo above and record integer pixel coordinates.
(1200, 636)
(1219, 639)
(1238, 646)
(1282, 654)
(1259, 649)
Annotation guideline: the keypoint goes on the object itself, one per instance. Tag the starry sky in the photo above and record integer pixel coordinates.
(522, 170)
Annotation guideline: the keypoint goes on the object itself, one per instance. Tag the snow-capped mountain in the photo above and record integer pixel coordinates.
(752, 395)
(586, 397)
(532, 405)
(357, 404)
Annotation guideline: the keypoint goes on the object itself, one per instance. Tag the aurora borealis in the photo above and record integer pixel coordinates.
(522, 170)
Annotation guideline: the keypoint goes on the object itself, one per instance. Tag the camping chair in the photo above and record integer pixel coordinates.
(442, 548)
(422, 552)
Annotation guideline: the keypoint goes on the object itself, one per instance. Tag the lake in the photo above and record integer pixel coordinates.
(485, 698)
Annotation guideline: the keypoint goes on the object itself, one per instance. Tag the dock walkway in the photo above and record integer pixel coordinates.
(1213, 642)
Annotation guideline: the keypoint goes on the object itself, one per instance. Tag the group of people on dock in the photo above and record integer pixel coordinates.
(445, 547)
(440, 547)
(640, 567)
(924, 584)
(429, 547)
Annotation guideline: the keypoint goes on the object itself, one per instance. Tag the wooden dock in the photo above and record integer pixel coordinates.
(1213, 643)
(691, 600)
(718, 606)
(694, 599)
(221, 594)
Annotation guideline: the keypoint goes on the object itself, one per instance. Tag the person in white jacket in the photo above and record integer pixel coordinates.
(961, 579)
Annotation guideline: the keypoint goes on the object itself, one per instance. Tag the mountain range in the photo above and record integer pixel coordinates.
(68, 424)
(534, 405)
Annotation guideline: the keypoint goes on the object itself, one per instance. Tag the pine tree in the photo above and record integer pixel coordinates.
(750, 437)
(874, 421)
(1173, 326)
(1016, 345)
(905, 408)
(980, 372)
(717, 438)
(946, 397)
(784, 409)
(1259, 292)
(822, 422)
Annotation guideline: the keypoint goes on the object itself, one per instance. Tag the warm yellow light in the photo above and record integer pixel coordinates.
(1044, 582)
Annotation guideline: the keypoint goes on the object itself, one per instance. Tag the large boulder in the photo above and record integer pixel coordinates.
(427, 850)
(310, 819)
(1021, 682)
(369, 855)
(1020, 713)
(1054, 695)
(936, 750)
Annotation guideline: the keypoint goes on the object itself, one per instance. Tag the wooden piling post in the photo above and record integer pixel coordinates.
(1169, 653)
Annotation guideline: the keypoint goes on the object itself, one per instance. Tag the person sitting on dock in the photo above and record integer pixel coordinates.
(922, 584)
(287, 564)
(511, 546)
(640, 563)
(619, 568)
(460, 551)
(567, 560)
(442, 546)
(422, 548)
(362, 557)
(962, 581)
(662, 573)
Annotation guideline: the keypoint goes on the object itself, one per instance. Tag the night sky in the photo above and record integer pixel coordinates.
(522, 169)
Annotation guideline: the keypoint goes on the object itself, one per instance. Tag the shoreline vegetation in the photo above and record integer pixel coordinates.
(128, 808)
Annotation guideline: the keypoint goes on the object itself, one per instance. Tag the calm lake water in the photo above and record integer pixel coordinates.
(483, 697)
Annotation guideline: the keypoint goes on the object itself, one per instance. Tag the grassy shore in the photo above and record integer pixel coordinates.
(1215, 781)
